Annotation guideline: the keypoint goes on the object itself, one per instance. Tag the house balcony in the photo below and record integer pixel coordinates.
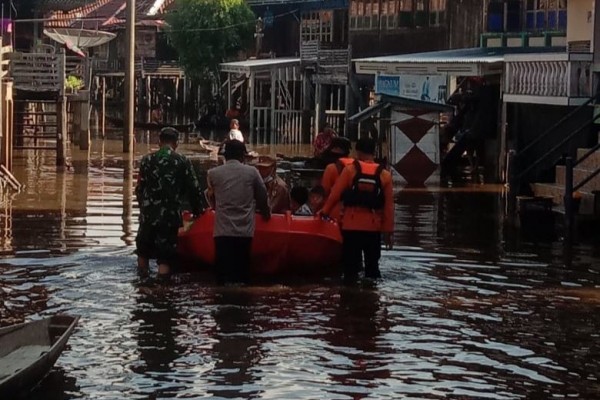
(143, 67)
(548, 78)
(524, 39)
(329, 60)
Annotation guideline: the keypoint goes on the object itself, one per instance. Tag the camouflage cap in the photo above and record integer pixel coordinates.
(168, 134)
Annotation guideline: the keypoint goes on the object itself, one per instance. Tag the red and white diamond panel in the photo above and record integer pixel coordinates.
(415, 147)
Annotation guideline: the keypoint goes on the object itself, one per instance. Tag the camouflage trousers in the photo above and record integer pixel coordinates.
(157, 241)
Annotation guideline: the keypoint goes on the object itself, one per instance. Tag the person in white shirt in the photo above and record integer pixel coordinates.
(234, 131)
(316, 199)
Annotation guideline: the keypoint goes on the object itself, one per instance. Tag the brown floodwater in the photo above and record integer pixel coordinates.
(468, 308)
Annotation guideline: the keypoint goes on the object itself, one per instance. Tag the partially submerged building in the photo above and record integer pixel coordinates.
(158, 75)
(289, 93)
(532, 69)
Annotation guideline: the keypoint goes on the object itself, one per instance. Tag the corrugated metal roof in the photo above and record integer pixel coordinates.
(386, 100)
(461, 62)
(367, 112)
(260, 64)
(468, 56)
(107, 13)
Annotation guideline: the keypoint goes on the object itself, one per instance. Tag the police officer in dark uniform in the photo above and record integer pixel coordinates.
(165, 179)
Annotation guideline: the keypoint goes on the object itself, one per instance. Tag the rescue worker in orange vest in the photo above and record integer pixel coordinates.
(366, 192)
(340, 151)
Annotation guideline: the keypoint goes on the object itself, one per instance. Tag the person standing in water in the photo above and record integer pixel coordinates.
(235, 191)
(165, 179)
(234, 131)
(366, 192)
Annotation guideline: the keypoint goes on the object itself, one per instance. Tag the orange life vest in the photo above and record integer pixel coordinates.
(366, 190)
(342, 163)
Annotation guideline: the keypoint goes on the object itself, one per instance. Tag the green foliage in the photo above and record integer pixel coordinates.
(73, 82)
(208, 32)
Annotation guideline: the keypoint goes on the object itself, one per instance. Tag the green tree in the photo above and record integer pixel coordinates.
(208, 32)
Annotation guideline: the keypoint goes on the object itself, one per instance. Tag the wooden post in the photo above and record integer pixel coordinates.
(184, 94)
(76, 126)
(139, 85)
(148, 93)
(61, 129)
(317, 110)
(501, 171)
(251, 92)
(3, 134)
(568, 199)
(5, 144)
(129, 78)
(347, 101)
(84, 124)
(176, 102)
(61, 189)
(127, 197)
(7, 122)
(228, 90)
(103, 107)
(273, 105)
(513, 184)
(306, 106)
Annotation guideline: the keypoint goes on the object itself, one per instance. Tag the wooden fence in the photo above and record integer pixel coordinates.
(39, 72)
(288, 127)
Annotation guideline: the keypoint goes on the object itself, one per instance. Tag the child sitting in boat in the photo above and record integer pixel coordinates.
(298, 197)
(316, 199)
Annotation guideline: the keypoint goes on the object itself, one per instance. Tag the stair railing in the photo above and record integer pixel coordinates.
(516, 176)
(571, 187)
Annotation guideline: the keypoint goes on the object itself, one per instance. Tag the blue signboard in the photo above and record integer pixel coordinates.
(387, 85)
(432, 88)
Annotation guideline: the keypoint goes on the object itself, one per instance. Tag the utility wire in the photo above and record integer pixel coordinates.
(84, 19)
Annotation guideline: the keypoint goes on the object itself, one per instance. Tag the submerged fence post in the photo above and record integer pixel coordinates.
(568, 196)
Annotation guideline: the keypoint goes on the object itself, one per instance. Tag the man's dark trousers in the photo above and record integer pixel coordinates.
(232, 258)
(357, 243)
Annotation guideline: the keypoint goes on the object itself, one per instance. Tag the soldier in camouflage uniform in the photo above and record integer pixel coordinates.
(165, 178)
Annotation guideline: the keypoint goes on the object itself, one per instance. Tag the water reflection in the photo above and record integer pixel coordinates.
(468, 307)
(357, 364)
(237, 349)
(128, 199)
(156, 317)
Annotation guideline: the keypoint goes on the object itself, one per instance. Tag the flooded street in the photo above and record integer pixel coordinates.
(467, 308)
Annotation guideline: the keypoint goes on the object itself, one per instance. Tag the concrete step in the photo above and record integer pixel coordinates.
(556, 191)
(579, 174)
(592, 162)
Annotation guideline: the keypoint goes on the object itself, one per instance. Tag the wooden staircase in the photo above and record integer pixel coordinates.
(35, 125)
(556, 189)
(39, 117)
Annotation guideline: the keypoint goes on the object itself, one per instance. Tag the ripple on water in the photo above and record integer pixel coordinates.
(461, 312)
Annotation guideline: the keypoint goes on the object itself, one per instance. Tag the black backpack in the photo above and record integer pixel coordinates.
(366, 190)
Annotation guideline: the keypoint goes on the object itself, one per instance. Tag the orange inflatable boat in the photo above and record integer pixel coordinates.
(285, 244)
